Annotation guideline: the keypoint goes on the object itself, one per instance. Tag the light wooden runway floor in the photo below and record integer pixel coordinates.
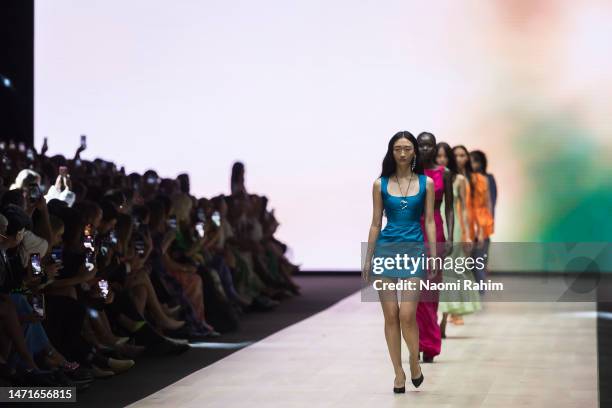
(508, 355)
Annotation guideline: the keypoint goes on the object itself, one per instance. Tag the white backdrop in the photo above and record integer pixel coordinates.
(306, 93)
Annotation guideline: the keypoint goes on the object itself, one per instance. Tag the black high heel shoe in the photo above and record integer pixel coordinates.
(417, 381)
(399, 390)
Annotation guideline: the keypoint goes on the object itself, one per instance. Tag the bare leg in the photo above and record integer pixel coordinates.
(101, 328)
(107, 327)
(128, 324)
(443, 325)
(143, 299)
(410, 329)
(388, 301)
(139, 297)
(88, 333)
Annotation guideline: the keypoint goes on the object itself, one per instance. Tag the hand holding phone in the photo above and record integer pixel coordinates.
(33, 192)
(83, 142)
(35, 264)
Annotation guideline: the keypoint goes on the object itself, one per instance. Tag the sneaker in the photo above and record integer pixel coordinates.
(101, 372)
(120, 366)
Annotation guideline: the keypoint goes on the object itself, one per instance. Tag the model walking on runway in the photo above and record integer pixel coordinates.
(430, 339)
(479, 208)
(405, 194)
(462, 301)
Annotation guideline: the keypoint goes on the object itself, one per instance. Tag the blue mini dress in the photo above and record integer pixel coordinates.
(403, 234)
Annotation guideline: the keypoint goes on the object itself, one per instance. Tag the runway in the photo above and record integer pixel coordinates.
(508, 355)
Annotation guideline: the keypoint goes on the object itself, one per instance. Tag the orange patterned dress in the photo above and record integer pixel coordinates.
(479, 216)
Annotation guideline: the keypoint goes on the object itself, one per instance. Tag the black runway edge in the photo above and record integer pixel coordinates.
(604, 341)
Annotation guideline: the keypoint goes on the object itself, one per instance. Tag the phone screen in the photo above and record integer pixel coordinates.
(200, 214)
(103, 285)
(38, 304)
(112, 236)
(90, 258)
(88, 237)
(139, 246)
(172, 222)
(35, 262)
(56, 254)
(216, 218)
(200, 229)
(83, 141)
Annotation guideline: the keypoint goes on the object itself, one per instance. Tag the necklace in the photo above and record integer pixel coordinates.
(403, 201)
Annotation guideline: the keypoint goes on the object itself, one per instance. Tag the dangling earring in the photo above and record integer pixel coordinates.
(413, 163)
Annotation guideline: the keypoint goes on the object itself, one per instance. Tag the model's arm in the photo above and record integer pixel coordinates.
(375, 225)
(430, 224)
(448, 205)
(493, 191)
(488, 196)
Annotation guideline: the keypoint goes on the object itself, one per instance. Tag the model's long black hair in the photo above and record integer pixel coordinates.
(452, 163)
(389, 165)
(482, 158)
(468, 167)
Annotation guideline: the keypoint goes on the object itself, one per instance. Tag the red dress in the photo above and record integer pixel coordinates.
(430, 341)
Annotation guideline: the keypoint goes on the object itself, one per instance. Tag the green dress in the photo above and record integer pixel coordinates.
(460, 301)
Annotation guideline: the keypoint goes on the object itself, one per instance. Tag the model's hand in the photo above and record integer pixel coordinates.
(434, 272)
(365, 272)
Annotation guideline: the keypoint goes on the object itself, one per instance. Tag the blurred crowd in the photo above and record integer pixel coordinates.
(99, 268)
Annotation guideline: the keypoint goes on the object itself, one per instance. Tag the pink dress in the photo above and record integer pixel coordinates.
(430, 341)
